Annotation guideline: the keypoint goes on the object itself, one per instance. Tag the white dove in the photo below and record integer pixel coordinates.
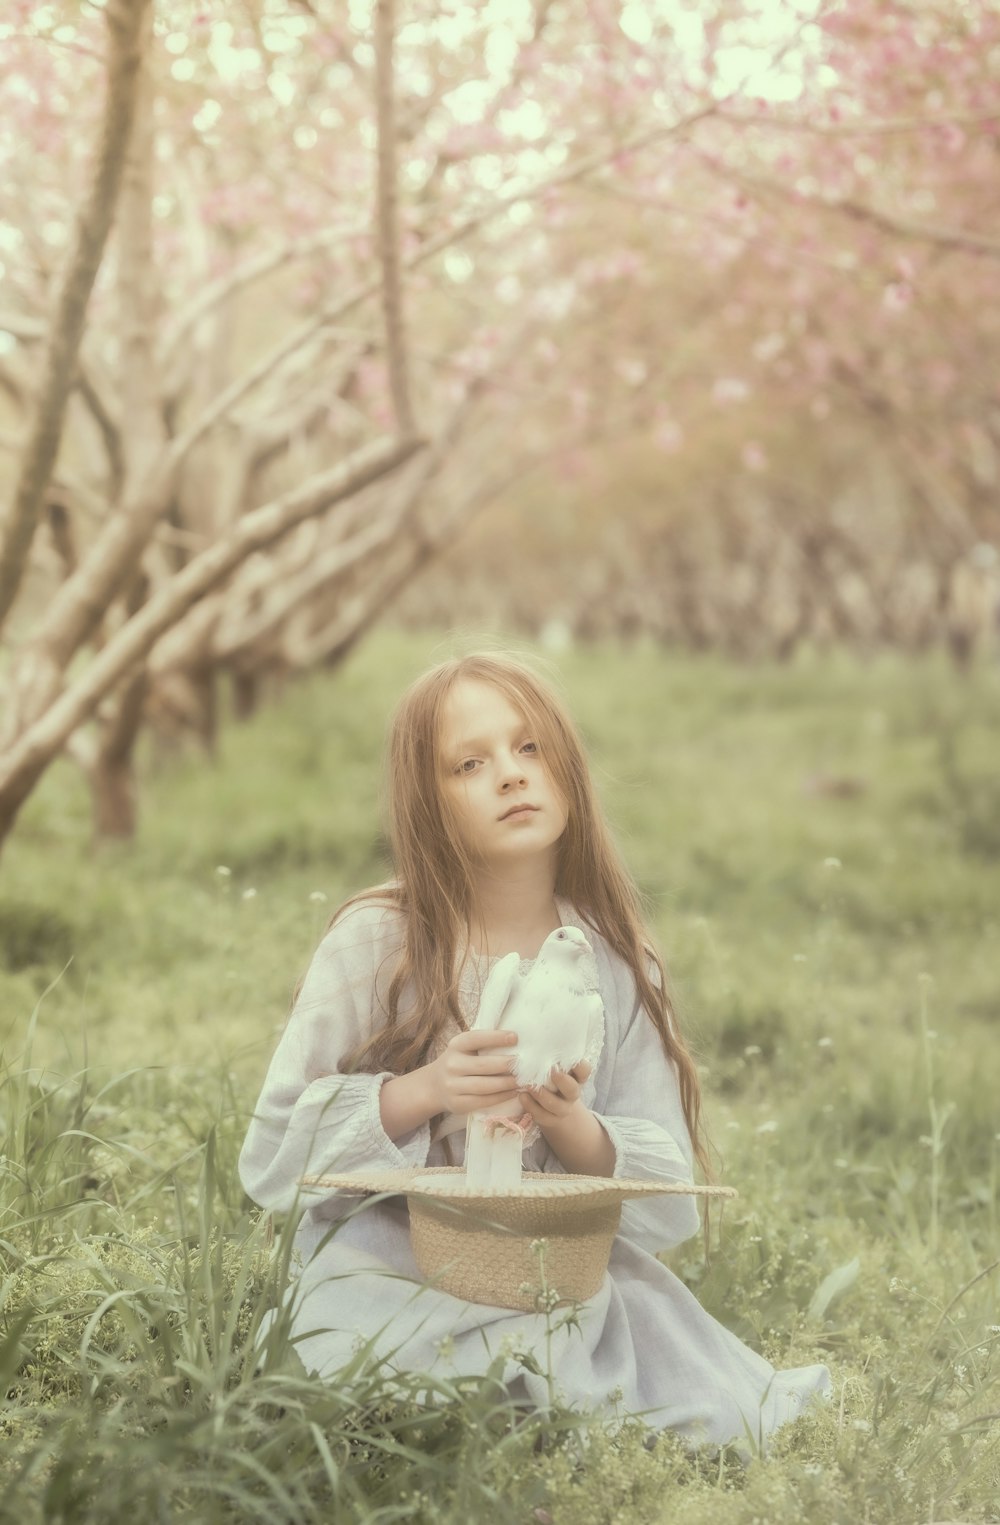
(558, 1022)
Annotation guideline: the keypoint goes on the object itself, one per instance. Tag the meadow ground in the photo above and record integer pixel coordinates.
(820, 848)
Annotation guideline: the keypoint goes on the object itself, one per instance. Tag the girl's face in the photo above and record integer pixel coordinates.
(490, 764)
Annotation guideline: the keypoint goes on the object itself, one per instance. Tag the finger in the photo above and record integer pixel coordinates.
(543, 1105)
(582, 1071)
(477, 1038)
(564, 1085)
(481, 1064)
(485, 1085)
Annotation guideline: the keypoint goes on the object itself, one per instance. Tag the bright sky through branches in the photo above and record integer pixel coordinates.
(746, 53)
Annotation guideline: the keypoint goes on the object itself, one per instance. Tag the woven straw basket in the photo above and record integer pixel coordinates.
(545, 1242)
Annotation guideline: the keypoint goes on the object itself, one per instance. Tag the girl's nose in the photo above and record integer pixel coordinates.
(511, 770)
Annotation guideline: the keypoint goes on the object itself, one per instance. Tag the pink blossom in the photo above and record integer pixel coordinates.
(897, 296)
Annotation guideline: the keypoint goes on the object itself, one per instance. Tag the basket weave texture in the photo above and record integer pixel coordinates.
(532, 1247)
(514, 1253)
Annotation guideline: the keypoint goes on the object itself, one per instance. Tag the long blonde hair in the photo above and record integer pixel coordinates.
(435, 885)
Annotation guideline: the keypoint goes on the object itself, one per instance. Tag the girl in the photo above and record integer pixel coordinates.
(497, 840)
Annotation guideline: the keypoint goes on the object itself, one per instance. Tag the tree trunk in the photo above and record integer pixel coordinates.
(114, 793)
(113, 790)
(125, 20)
(113, 800)
(246, 693)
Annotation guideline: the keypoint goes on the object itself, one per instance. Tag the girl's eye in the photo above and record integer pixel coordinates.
(532, 744)
(466, 766)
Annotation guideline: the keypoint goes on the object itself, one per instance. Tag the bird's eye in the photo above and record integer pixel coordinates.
(560, 937)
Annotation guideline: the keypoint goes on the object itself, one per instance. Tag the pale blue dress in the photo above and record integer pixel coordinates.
(644, 1343)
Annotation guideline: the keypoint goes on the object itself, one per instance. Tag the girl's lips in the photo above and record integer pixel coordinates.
(516, 815)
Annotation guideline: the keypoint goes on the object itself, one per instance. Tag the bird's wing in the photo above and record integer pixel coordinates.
(497, 992)
(557, 1023)
(595, 1029)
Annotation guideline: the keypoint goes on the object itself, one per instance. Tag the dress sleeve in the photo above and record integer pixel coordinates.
(638, 1103)
(309, 1117)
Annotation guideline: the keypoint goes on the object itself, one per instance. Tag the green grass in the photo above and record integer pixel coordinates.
(835, 956)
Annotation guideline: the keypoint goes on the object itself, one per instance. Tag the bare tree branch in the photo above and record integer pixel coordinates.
(107, 425)
(861, 127)
(245, 274)
(903, 227)
(28, 757)
(124, 20)
(387, 215)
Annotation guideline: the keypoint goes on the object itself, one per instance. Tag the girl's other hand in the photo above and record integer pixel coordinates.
(553, 1103)
(474, 1071)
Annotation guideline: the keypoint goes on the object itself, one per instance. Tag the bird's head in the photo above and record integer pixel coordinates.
(565, 942)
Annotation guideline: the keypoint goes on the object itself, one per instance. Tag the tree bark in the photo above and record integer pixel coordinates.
(125, 19)
(112, 779)
(388, 215)
(246, 692)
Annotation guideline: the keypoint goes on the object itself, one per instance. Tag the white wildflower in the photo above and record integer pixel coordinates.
(770, 1126)
(249, 894)
(223, 872)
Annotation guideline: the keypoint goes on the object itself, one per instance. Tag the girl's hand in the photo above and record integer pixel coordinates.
(474, 1072)
(552, 1104)
(575, 1136)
